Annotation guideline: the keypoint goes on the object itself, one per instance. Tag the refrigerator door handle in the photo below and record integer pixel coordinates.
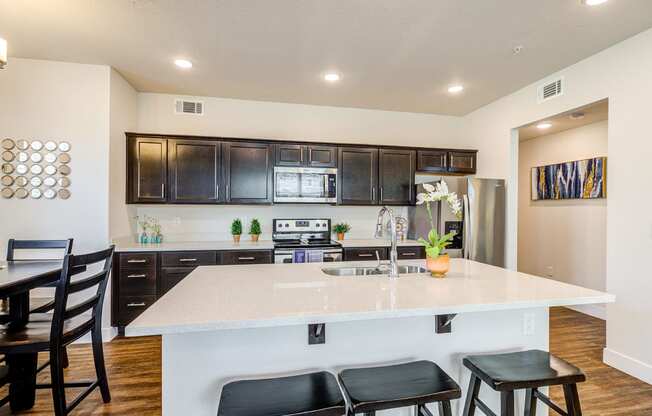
(466, 226)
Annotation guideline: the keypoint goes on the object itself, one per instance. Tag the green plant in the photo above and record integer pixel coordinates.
(236, 227)
(254, 227)
(435, 244)
(341, 228)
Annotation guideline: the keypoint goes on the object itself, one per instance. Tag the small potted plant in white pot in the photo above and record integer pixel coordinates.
(236, 230)
(437, 263)
(254, 229)
(340, 229)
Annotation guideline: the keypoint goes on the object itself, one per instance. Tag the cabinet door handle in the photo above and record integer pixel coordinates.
(162, 190)
(381, 193)
(135, 305)
(137, 261)
(365, 255)
(246, 258)
(373, 193)
(187, 260)
(137, 275)
(409, 254)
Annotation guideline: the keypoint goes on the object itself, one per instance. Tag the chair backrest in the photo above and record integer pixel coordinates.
(92, 303)
(64, 246)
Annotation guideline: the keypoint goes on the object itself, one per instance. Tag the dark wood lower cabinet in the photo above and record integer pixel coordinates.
(369, 253)
(170, 276)
(247, 257)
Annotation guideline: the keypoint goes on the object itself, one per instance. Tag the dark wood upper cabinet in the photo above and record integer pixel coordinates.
(396, 176)
(195, 171)
(288, 154)
(358, 176)
(462, 162)
(321, 156)
(248, 172)
(432, 160)
(147, 170)
(305, 155)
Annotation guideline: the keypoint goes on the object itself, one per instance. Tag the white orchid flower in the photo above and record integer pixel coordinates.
(428, 187)
(421, 199)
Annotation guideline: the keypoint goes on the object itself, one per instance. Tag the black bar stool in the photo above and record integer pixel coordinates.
(390, 387)
(529, 370)
(314, 394)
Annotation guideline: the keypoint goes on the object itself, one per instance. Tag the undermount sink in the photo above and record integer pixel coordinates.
(370, 271)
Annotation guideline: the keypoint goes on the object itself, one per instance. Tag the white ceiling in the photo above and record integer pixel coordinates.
(393, 54)
(592, 113)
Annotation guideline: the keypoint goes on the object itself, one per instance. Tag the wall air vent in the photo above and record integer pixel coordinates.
(551, 89)
(189, 107)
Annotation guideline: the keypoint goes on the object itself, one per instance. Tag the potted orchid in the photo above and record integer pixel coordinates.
(437, 263)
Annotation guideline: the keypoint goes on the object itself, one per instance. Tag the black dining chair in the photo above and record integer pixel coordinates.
(53, 332)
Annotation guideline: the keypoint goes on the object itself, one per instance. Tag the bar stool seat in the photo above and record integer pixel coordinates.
(314, 394)
(527, 370)
(390, 387)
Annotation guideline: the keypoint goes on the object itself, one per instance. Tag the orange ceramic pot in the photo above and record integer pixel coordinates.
(340, 236)
(438, 266)
(254, 237)
(236, 238)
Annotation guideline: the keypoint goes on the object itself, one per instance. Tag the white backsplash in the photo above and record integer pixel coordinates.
(212, 223)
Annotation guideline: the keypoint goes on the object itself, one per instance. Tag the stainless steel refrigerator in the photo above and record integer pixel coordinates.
(481, 232)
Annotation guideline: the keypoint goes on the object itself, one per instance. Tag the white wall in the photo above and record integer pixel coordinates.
(565, 240)
(622, 74)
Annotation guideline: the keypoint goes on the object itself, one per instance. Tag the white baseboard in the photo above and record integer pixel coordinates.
(597, 311)
(629, 365)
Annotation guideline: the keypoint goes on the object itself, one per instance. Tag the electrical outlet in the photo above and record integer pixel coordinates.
(528, 323)
(550, 271)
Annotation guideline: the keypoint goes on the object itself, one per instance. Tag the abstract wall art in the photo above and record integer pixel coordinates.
(580, 179)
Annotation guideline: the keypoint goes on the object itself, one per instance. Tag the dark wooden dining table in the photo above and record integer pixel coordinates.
(17, 279)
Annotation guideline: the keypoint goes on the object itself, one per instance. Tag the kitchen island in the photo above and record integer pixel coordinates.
(229, 322)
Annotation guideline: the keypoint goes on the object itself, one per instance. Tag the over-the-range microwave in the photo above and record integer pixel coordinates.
(305, 185)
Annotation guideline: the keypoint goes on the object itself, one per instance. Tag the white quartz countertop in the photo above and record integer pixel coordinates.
(253, 296)
(128, 244)
(375, 242)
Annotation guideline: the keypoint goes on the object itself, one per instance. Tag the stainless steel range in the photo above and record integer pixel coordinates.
(304, 241)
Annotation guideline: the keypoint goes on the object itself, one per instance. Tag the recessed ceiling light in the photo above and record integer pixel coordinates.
(332, 77)
(594, 2)
(545, 125)
(454, 89)
(183, 63)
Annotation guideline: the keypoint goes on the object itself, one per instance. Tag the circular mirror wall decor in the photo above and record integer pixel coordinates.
(50, 170)
(22, 169)
(36, 181)
(49, 194)
(7, 193)
(50, 146)
(22, 157)
(64, 182)
(7, 168)
(8, 144)
(22, 144)
(36, 169)
(64, 193)
(35, 193)
(8, 156)
(64, 170)
(21, 193)
(64, 146)
(7, 180)
(64, 158)
(21, 181)
(37, 145)
(36, 157)
(49, 181)
(50, 157)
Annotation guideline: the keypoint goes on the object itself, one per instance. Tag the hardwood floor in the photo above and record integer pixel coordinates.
(134, 368)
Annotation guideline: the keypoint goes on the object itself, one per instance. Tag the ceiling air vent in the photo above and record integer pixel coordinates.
(551, 90)
(189, 107)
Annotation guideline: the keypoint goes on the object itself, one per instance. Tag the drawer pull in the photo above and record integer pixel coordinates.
(365, 255)
(187, 260)
(409, 254)
(137, 261)
(137, 275)
(246, 258)
(135, 305)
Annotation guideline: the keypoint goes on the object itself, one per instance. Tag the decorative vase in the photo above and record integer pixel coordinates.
(254, 237)
(340, 236)
(236, 238)
(143, 238)
(438, 266)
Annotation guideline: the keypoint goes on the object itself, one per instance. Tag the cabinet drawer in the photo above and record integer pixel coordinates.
(170, 276)
(407, 253)
(188, 258)
(132, 306)
(137, 282)
(366, 253)
(247, 257)
(137, 260)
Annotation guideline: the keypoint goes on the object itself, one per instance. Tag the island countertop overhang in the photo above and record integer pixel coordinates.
(238, 297)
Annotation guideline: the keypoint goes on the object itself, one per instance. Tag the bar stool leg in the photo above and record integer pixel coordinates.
(471, 395)
(445, 408)
(369, 414)
(530, 403)
(507, 403)
(572, 400)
